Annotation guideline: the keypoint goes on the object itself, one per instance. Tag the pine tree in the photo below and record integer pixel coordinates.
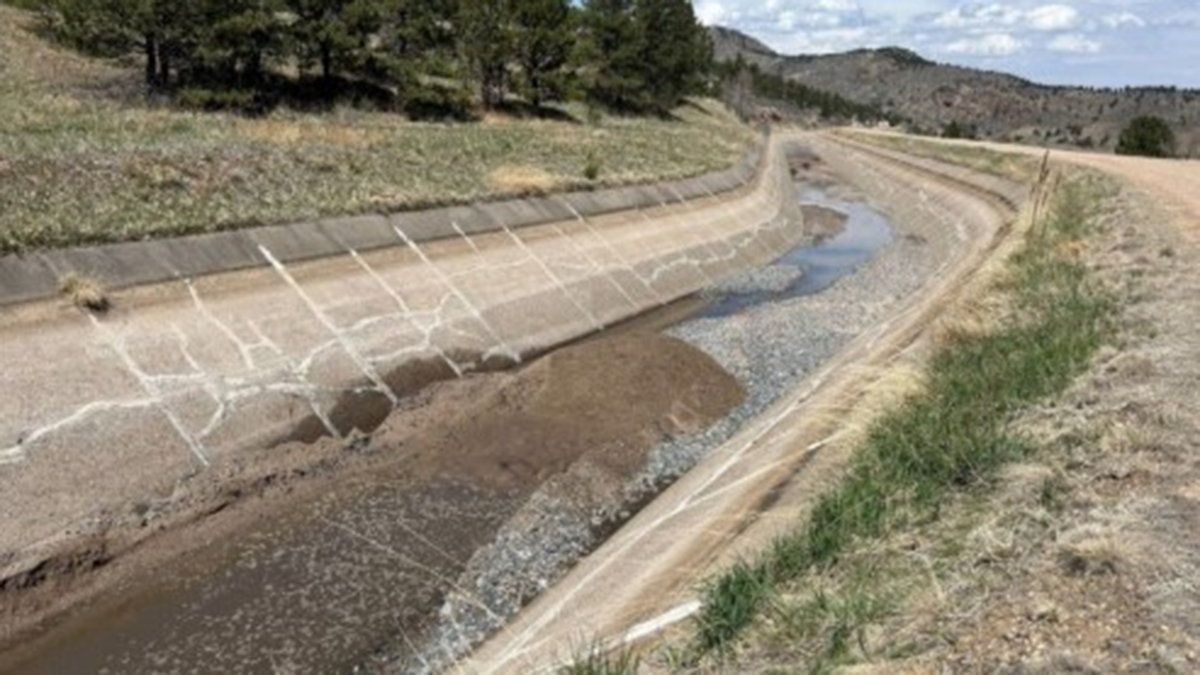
(238, 40)
(612, 55)
(676, 51)
(1148, 136)
(486, 38)
(336, 35)
(542, 45)
(156, 28)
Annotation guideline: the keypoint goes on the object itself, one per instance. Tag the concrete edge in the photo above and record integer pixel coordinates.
(39, 275)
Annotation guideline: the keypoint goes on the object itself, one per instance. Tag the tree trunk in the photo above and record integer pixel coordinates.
(164, 67)
(326, 61)
(152, 66)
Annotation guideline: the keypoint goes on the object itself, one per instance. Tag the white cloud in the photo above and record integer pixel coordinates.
(1074, 43)
(711, 13)
(978, 16)
(1052, 17)
(1124, 19)
(992, 44)
(984, 18)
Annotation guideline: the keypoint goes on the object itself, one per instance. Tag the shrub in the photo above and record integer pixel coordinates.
(591, 169)
(1147, 136)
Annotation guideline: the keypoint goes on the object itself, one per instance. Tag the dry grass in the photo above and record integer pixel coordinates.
(523, 180)
(86, 159)
(1013, 166)
(86, 293)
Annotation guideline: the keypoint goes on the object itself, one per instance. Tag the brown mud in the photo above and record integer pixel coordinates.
(306, 557)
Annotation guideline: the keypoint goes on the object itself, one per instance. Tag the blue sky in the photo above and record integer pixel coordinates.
(1089, 42)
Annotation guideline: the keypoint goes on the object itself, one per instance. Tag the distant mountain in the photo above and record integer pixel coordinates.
(997, 105)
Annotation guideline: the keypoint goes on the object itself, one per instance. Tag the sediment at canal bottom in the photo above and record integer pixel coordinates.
(317, 582)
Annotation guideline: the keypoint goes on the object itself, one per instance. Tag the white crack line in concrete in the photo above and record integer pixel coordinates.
(408, 313)
(499, 342)
(363, 364)
(602, 271)
(150, 386)
(227, 400)
(596, 324)
(18, 452)
(616, 254)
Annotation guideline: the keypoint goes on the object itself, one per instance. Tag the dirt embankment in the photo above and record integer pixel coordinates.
(469, 451)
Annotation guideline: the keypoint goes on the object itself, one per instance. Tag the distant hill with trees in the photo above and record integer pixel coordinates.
(934, 97)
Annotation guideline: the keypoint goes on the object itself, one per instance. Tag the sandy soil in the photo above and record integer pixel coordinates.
(448, 469)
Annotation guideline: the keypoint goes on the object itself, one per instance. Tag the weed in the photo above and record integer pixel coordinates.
(591, 167)
(86, 293)
(596, 660)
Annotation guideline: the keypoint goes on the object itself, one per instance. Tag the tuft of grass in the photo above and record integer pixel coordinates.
(86, 159)
(952, 437)
(596, 660)
(86, 293)
(592, 167)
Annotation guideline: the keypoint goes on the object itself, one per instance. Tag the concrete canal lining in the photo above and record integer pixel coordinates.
(104, 417)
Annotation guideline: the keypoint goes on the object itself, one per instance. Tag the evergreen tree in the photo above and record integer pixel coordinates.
(336, 35)
(237, 40)
(156, 28)
(1148, 136)
(676, 51)
(421, 32)
(612, 55)
(543, 38)
(486, 38)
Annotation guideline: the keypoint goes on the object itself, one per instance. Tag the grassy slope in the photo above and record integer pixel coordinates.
(813, 602)
(83, 158)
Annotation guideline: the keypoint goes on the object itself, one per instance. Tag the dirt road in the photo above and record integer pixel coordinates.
(738, 498)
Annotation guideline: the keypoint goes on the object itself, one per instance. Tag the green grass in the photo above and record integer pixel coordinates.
(949, 439)
(86, 159)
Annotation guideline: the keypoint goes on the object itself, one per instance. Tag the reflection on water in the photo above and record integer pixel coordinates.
(821, 264)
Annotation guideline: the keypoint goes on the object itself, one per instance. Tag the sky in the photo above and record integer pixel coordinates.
(1108, 43)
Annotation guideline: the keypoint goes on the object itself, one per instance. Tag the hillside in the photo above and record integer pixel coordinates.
(1000, 106)
(87, 157)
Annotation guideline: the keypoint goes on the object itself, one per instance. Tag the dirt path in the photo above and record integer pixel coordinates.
(727, 505)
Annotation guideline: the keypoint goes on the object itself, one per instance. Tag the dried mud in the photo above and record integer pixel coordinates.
(308, 557)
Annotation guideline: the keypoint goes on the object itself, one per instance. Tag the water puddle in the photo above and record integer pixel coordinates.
(812, 268)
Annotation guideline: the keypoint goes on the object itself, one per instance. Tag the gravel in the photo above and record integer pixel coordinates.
(770, 279)
(769, 347)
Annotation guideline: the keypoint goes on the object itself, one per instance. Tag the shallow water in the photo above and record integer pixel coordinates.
(819, 265)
